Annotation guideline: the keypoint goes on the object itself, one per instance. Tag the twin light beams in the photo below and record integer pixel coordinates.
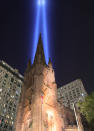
(41, 27)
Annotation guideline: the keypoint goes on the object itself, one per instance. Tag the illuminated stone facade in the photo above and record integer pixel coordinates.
(39, 109)
(71, 93)
(10, 89)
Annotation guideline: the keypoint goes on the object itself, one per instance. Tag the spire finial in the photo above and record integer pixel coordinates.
(39, 56)
(50, 63)
(28, 65)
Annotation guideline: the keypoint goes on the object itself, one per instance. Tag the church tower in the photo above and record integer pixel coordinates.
(38, 107)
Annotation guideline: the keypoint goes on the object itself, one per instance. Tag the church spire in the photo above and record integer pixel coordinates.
(28, 66)
(39, 56)
(50, 63)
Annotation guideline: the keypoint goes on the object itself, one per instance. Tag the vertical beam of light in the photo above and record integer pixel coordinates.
(45, 37)
(36, 34)
(40, 27)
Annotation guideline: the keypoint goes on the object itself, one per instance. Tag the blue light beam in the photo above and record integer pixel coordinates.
(41, 2)
(45, 37)
(36, 34)
(41, 26)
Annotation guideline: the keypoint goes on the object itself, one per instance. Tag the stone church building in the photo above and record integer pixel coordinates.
(38, 108)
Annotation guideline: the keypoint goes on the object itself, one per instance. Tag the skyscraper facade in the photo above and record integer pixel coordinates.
(10, 88)
(71, 93)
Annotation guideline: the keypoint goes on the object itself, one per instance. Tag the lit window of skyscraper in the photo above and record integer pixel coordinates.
(71, 93)
(10, 89)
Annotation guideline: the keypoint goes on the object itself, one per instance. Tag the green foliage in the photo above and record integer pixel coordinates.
(87, 109)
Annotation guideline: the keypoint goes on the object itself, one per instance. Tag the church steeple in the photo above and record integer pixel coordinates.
(28, 66)
(39, 56)
(50, 63)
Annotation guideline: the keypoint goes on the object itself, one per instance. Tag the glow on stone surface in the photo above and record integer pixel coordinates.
(50, 113)
(51, 120)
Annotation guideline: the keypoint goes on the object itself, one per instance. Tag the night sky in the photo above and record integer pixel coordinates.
(70, 25)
